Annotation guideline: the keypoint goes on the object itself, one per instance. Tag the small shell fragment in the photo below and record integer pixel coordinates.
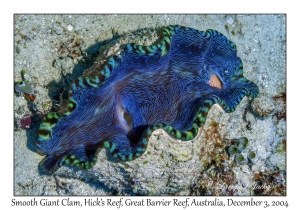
(24, 87)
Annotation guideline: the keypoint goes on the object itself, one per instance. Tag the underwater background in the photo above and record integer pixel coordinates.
(52, 50)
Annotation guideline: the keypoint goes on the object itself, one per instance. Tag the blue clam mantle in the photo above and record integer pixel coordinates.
(170, 85)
